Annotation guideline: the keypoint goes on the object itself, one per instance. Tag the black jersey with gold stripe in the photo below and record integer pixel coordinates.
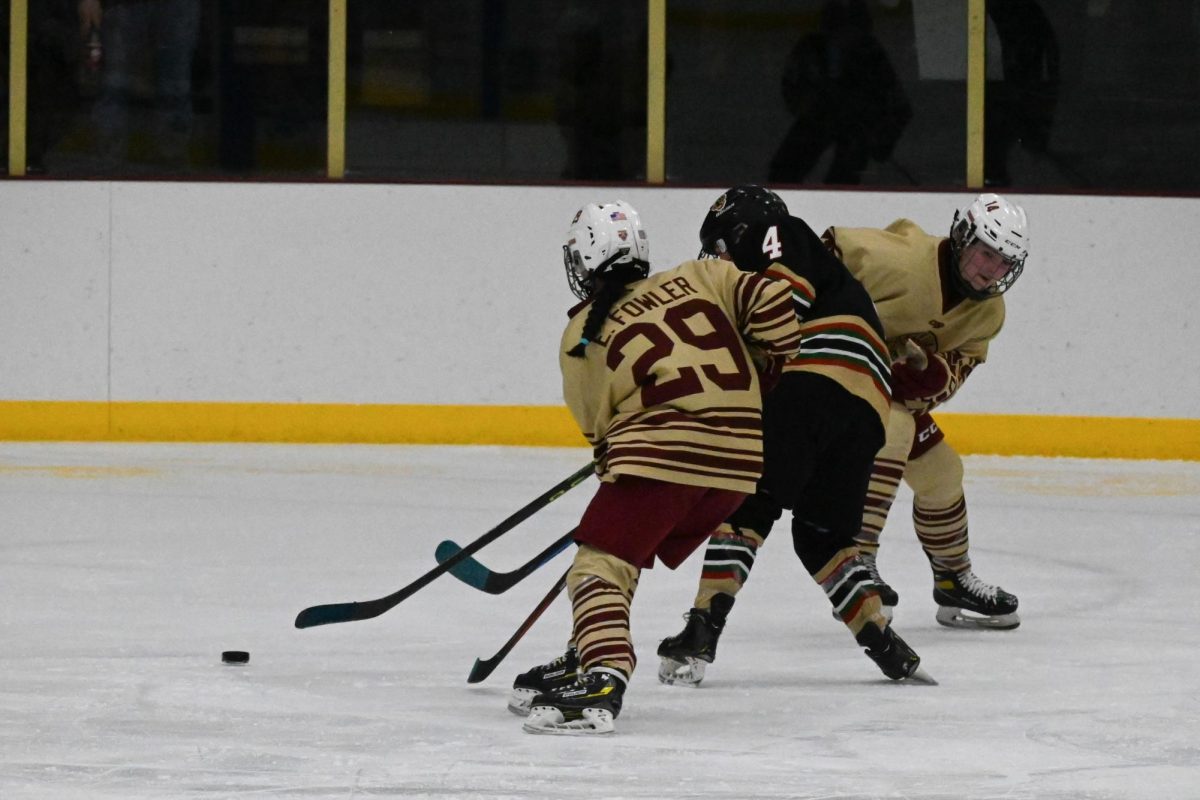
(843, 337)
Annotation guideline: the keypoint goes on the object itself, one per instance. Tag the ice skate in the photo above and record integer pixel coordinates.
(586, 707)
(543, 679)
(684, 656)
(892, 654)
(964, 601)
(887, 595)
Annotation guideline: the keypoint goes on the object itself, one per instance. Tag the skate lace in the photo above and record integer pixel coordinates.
(977, 587)
(868, 561)
(560, 661)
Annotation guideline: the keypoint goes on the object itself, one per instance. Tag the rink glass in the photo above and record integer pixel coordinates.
(1082, 95)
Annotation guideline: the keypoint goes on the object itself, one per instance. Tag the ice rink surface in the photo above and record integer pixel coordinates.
(126, 569)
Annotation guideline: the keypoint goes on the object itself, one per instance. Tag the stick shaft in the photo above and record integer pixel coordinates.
(477, 575)
(485, 666)
(348, 612)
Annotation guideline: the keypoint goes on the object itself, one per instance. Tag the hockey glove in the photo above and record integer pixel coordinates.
(919, 379)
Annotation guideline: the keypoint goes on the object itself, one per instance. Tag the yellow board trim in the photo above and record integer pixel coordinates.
(544, 426)
(287, 422)
(1081, 437)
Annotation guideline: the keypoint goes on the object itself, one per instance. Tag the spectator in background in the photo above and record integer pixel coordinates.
(148, 47)
(1020, 109)
(843, 92)
(600, 98)
(54, 73)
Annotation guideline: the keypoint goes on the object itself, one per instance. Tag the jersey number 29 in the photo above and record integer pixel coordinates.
(662, 346)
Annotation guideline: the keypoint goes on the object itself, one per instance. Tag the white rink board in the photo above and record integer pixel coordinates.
(455, 294)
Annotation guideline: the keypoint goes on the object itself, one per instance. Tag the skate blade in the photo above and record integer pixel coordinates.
(953, 617)
(520, 701)
(921, 676)
(673, 672)
(547, 720)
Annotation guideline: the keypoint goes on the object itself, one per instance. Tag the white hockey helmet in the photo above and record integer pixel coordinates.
(604, 239)
(1001, 225)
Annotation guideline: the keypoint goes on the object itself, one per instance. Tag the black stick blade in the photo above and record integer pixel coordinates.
(325, 615)
(341, 612)
(483, 668)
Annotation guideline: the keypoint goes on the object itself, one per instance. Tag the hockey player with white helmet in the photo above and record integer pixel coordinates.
(659, 373)
(941, 305)
(1002, 230)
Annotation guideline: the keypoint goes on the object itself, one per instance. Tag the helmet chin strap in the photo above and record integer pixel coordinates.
(603, 265)
(961, 284)
(609, 266)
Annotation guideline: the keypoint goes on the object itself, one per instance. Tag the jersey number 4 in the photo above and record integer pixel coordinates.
(647, 369)
(771, 244)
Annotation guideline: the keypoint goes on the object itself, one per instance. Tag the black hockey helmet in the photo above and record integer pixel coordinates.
(737, 224)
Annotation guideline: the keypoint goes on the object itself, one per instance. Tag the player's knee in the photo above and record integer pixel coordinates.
(901, 427)
(757, 513)
(936, 474)
(815, 543)
(591, 562)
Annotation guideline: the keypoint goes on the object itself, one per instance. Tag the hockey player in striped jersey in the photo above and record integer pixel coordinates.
(659, 371)
(822, 426)
(939, 300)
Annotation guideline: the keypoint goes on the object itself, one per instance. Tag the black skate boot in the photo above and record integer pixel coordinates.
(887, 595)
(587, 706)
(892, 654)
(964, 601)
(684, 655)
(543, 678)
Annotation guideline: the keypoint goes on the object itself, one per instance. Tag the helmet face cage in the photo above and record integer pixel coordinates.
(605, 238)
(734, 213)
(579, 277)
(999, 225)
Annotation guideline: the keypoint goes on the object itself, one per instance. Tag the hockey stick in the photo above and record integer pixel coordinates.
(485, 666)
(471, 572)
(350, 612)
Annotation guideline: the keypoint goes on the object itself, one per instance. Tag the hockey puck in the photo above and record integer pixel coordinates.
(235, 657)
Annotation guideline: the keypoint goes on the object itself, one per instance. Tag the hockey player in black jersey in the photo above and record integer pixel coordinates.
(822, 425)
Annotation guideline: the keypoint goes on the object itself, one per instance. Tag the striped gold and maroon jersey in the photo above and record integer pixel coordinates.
(668, 388)
(843, 338)
(907, 273)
